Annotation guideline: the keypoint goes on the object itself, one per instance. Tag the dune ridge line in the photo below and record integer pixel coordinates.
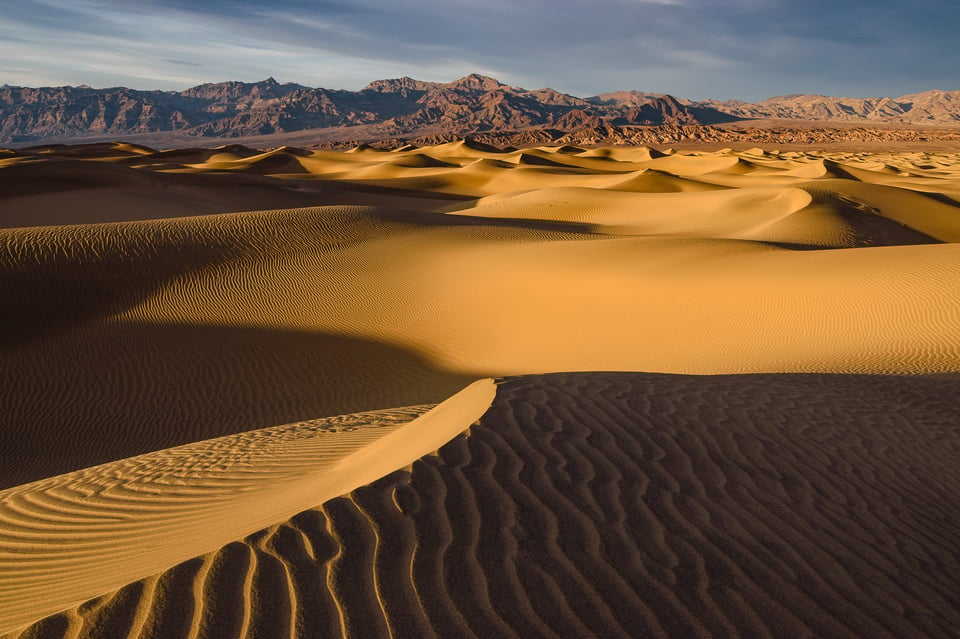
(610, 505)
(69, 538)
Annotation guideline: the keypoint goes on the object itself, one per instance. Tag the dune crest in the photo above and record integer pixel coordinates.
(68, 538)
(611, 505)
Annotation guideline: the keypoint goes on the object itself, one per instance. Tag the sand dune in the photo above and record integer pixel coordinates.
(199, 327)
(614, 505)
(146, 372)
(160, 308)
(733, 214)
(47, 189)
(70, 537)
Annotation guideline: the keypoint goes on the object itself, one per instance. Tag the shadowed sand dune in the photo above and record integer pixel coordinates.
(162, 331)
(614, 505)
(158, 299)
(67, 188)
(150, 334)
(66, 538)
(202, 382)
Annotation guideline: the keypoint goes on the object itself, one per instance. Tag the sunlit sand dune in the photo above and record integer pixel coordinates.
(70, 537)
(161, 308)
(613, 505)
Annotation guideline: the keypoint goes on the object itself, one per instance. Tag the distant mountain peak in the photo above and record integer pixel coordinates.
(477, 82)
(404, 108)
(396, 85)
(942, 107)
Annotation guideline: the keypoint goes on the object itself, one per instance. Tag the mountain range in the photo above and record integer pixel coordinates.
(405, 107)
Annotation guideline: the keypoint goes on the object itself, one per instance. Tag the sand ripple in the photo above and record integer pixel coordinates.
(66, 538)
(597, 504)
(613, 505)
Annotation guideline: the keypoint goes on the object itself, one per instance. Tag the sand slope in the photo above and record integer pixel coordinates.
(148, 334)
(615, 505)
(610, 504)
(66, 538)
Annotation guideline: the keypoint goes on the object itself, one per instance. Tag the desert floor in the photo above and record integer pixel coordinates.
(462, 391)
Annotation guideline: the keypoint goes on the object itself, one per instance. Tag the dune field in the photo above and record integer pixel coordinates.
(462, 391)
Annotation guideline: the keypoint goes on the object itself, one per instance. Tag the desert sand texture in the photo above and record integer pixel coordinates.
(774, 457)
(610, 505)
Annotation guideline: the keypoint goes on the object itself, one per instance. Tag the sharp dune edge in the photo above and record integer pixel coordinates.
(162, 307)
(70, 537)
(613, 505)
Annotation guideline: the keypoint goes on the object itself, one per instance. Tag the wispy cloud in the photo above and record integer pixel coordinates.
(694, 48)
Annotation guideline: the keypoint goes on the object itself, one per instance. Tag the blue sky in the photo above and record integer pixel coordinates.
(746, 49)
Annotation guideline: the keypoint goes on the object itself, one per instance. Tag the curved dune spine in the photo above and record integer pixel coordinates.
(622, 505)
(50, 562)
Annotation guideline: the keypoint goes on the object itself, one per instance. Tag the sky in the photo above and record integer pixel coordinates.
(723, 49)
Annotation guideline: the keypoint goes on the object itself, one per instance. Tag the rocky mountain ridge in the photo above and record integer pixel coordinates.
(405, 107)
(401, 106)
(930, 107)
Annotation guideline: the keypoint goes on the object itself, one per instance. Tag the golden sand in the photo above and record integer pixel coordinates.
(161, 309)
